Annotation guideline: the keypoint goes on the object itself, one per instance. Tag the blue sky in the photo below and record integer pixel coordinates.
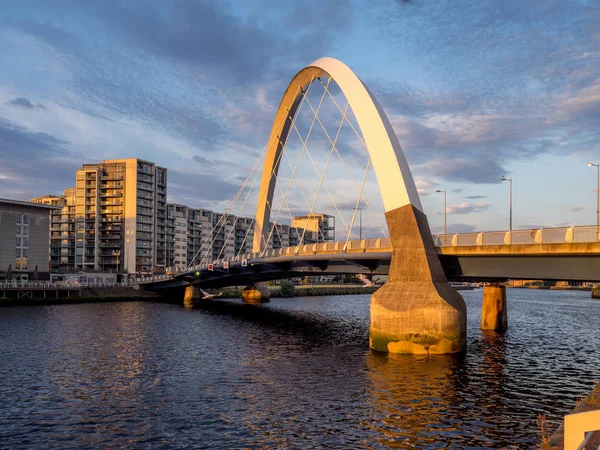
(475, 91)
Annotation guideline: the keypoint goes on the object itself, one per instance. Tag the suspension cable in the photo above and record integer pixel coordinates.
(358, 201)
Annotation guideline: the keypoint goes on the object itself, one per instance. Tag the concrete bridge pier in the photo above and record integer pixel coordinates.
(416, 311)
(256, 293)
(188, 296)
(494, 314)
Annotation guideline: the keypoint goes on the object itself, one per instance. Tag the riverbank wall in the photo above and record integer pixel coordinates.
(554, 288)
(589, 403)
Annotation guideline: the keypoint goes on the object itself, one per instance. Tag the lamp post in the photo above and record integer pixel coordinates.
(445, 223)
(597, 193)
(359, 208)
(511, 206)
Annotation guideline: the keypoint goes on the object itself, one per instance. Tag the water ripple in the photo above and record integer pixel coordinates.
(296, 373)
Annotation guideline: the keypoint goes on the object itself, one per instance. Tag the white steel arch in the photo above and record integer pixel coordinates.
(395, 181)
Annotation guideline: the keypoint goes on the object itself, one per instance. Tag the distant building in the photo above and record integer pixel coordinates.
(201, 235)
(24, 232)
(321, 224)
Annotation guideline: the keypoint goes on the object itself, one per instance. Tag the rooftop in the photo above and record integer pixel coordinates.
(8, 201)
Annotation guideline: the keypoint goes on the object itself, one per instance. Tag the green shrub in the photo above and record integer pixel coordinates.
(287, 289)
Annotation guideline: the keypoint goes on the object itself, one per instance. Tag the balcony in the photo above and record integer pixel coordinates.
(111, 185)
(145, 187)
(112, 246)
(110, 236)
(111, 177)
(111, 194)
(111, 203)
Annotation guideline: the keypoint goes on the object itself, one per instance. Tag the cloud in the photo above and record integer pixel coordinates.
(35, 162)
(467, 208)
(576, 208)
(475, 197)
(483, 170)
(202, 160)
(21, 102)
(184, 185)
(424, 184)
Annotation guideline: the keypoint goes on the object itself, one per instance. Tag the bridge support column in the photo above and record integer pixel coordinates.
(494, 315)
(188, 296)
(416, 311)
(256, 293)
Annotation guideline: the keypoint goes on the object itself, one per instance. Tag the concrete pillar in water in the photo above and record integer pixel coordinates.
(256, 293)
(188, 296)
(494, 315)
(416, 311)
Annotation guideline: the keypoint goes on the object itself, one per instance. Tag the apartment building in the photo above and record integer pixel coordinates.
(115, 219)
(189, 235)
(62, 229)
(24, 232)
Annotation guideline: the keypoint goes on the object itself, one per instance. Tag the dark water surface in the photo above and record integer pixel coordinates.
(296, 373)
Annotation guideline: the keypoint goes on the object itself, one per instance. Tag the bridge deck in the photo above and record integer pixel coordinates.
(578, 261)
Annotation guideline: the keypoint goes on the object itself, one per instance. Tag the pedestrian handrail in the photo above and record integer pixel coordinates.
(579, 428)
(19, 284)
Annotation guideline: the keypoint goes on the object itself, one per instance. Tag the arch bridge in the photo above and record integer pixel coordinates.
(416, 311)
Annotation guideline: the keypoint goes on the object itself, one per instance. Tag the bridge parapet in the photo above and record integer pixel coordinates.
(559, 235)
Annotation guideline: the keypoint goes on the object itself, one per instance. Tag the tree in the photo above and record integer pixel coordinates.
(287, 289)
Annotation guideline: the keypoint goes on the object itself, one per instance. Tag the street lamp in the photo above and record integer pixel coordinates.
(511, 206)
(597, 193)
(445, 223)
(359, 208)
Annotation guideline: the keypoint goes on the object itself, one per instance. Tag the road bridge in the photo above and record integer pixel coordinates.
(554, 257)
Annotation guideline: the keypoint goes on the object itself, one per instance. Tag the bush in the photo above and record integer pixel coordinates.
(287, 289)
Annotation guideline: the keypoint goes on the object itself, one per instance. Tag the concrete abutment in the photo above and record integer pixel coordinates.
(494, 313)
(416, 311)
(188, 296)
(256, 293)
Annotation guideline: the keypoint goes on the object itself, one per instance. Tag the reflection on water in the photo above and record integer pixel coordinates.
(293, 373)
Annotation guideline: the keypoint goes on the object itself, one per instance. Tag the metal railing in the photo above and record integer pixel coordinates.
(14, 284)
(563, 235)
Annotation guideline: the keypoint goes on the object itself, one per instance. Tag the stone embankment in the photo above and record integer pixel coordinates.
(589, 403)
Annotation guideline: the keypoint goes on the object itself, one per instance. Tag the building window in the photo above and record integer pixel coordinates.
(22, 242)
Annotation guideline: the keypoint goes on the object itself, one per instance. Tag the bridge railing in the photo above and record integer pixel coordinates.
(560, 235)
(520, 237)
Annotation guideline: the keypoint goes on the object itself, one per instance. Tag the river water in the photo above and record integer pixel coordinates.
(296, 373)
